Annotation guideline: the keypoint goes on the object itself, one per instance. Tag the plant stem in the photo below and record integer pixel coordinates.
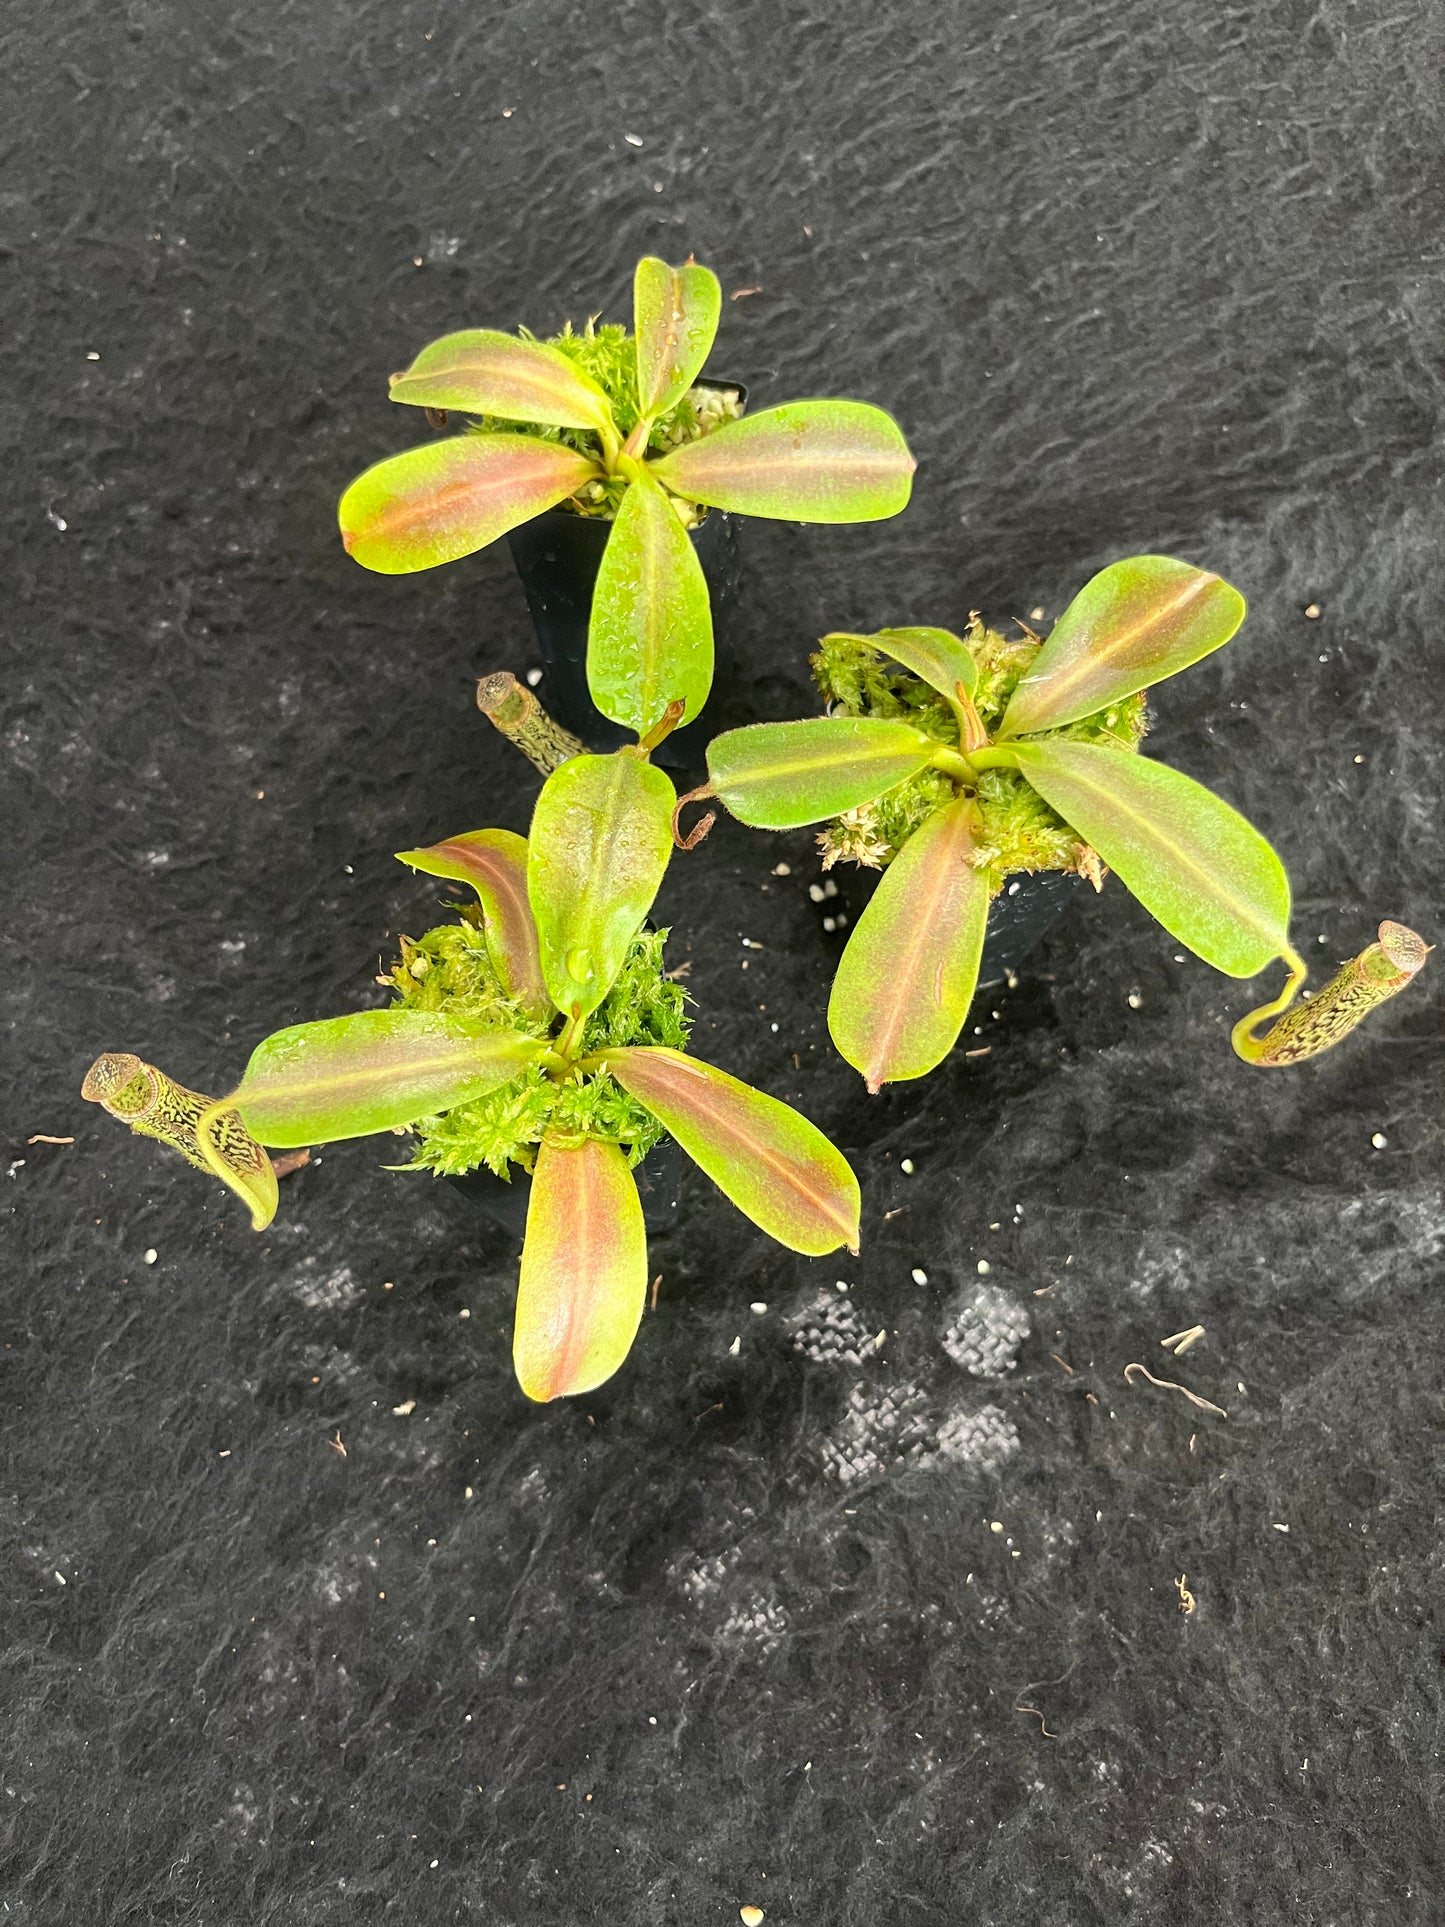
(968, 768)
(512, 708)
(998, 757)
(567, 1042)
(611, 445)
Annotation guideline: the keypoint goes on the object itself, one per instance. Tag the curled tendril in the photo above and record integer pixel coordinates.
(207, 1134)
(1380, 972)
(701, 827)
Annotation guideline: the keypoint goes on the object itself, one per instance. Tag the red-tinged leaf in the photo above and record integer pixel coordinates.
(599, 844)
(483, 372)
(778, 776)
(374, 1071)
(1192, 861)
(808, 461)
(675, 316)
(1135, 623)
(650, 638)
(936, 656)
(446, 499)
(778, 1169)
(584, 1270)
(908, 976)
(494, 862)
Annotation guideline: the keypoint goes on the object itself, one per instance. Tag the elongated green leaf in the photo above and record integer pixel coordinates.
(601, 836)
(778, 776)
(374, 1071)
(936, 656)
(1193, 862)
(584, 1270)
(907, 978)
(483, 372)
(675, 316)
(494, 862)
(778, 1169)
(808, 461)
(1134, 624)
(650, 638)
(444, 500)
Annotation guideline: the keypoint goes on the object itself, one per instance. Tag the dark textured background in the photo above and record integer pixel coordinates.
(1133, 276)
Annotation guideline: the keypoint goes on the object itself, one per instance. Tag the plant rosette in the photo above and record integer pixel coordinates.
(541, 1031)
(954, 762)
(618, 427)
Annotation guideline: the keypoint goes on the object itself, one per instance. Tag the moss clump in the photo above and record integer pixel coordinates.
(1019, 830)
(608, 355)
(449, 969)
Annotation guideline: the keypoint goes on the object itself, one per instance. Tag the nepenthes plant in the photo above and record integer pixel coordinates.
(537, 1030)
(953, 762)
(621, 428)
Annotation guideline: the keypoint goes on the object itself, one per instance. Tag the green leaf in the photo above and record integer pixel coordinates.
(494, 862)
(1193, 862)
(778, 1169)
(374, 1071)
(1135, 623)
(778, 776)
(584, 1270)
(600, 840)
(675, 317)
(808, 461)
(483, 372)
(446, 499)
(650, 637)
(936, 656)
(908, 976)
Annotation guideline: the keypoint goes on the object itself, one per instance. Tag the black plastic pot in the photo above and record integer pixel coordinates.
(658, 1179)
(1020, 917)
(557, 557)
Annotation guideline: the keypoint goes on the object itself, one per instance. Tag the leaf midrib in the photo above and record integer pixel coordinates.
(764, 1156)
(1148, 826)
(1055, 686)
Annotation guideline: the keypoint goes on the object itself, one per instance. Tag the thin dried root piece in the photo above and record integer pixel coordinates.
(704, 824)
(1381, 971)
(1171, 1385)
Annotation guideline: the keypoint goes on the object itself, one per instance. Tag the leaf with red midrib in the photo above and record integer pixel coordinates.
(584, 1270)
(808, 461)
(446, 499)
(675, 317)
(908, 976)
(494, 862)
(481, 371)
(778, 1169)
(1131, 626)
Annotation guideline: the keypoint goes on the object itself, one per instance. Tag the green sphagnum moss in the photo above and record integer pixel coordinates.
(608, 355)
(1020, 831)
(448, 969)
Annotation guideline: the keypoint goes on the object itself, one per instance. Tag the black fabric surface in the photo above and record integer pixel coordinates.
(837, 1628)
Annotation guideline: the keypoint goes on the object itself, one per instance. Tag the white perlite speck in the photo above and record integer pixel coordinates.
(983, 1327)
